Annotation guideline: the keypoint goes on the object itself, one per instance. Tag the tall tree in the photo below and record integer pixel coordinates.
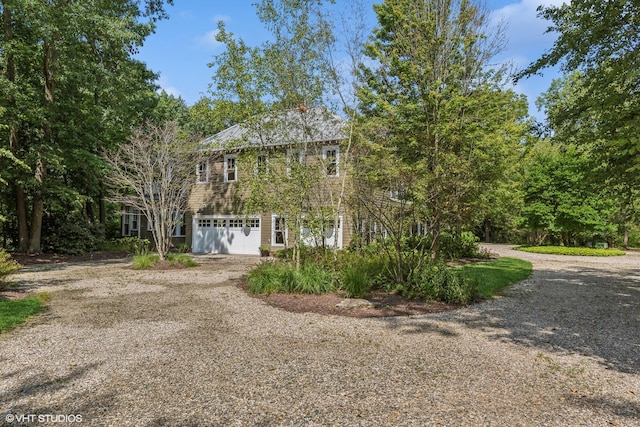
(69, 87)
(436, 110)
(281, 80)
(153, 174)
(600, 40)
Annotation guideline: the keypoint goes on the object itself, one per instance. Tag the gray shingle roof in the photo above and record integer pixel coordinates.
(315, 125)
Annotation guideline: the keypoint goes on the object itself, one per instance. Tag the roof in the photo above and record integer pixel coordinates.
(311, 125)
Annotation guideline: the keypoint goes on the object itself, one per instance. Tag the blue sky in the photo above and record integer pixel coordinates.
(184, 44)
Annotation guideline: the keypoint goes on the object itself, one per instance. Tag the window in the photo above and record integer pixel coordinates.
(262, 166)
(130, 221)
(230, 169)
(202, 172)
(254, 222)
(331, 158)
(235, 223)
(294, 156)
(179, 231)
(204, 223)
(219, 223)
(279, 233)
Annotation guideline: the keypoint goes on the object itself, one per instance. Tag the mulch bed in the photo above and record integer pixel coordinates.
(385, 304)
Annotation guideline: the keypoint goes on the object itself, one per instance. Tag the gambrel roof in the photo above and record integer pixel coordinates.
(310, 125)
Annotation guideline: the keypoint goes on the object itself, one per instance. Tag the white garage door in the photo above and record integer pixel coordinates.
(226, 235)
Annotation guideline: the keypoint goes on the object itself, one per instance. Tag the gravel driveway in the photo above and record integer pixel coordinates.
(188, 348)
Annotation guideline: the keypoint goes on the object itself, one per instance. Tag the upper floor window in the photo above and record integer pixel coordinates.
(202, 172)
(294, 157)
(331, 159)
(230, 168)
(262, 165)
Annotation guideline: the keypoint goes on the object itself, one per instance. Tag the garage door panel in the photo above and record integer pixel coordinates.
(227, 235)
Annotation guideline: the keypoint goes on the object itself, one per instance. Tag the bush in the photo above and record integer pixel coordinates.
(70, 234)
(181, 259)
(441, 283)
(7, 265)
(569, 250)
(144, 262)
(358, 273)
(130, 245)
(283, 277)
(455, 246)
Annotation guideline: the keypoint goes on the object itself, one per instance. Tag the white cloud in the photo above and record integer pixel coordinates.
(209, 40)
(525, 30)
(163, 82)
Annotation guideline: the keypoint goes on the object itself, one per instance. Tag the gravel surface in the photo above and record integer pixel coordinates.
(189, 348)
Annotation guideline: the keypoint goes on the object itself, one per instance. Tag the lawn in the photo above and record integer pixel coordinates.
(568, 250)
(493, 276)
(13, 312)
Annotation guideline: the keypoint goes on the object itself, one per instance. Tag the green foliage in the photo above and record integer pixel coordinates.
(455, 246)
(568, 250)
(181, 260)
(283, 277)
(438, 282)
(71, 234)
(184, 248)
(130, 245)
(493, 276)
(148, 261)
(14, 312)
(7, 265)
(358, 273)
(145, 262)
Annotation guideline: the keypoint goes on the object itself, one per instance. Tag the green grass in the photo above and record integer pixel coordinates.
(493, 276)
(13, 312)
(145, 262)
(283, 277)
(567, 250)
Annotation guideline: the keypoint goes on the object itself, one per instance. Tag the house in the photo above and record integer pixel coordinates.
(250, 161)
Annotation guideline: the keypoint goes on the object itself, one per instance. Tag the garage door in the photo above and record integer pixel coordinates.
(226, 235)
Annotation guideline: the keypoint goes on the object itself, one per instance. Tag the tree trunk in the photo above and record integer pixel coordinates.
(625, 237)
(23, 226)
(487, 231)
(37, 211)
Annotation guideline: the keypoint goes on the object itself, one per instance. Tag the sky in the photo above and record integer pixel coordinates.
(184, 44)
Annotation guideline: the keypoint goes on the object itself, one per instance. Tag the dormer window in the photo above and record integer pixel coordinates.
(230, 168)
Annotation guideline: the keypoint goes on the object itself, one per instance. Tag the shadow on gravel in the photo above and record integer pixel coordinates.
(588, 311)
(36, 385)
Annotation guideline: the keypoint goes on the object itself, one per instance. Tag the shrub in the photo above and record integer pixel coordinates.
(569, 250)
(283, 277)
(441, 283)
(70, 234)
(144, 262)
(184, 248)
(455, 246)
(7, 265)
(130, 245)
(355, 280)
(181, 259)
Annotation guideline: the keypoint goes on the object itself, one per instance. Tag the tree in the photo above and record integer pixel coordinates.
(69, 88)
(436, 113)
(600, 40)
(153, 174)
(561, 202)
(274, 88)
(610, 169)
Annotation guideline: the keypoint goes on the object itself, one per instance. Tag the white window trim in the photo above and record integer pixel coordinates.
(256, 170)
(199, 179)
(273, 231)
(290, 155)
(327, 148)
(235, 167)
